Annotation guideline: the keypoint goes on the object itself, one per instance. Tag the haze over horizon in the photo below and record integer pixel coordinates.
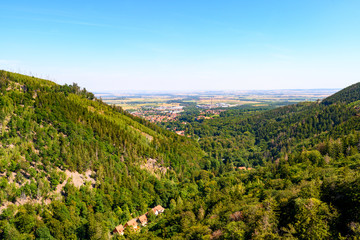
(234, 91)
(184, 46)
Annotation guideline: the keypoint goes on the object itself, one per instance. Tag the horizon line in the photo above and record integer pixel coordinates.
(222, 90)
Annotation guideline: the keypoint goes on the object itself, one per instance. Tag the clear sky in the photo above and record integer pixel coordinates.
(184, 45)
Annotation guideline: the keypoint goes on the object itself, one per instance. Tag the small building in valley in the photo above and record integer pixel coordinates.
(143, 220)
(158, 209)
(245, 168)
(132, 223)
(119, 229)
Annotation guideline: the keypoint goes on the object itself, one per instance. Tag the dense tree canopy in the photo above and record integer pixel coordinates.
(304, 182)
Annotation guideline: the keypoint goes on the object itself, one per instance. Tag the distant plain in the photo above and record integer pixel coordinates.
(132, 101)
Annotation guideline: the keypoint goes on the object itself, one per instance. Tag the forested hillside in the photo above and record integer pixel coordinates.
(304, 186)
(50, 132)
(253, 139)
(347, 95)
(72, 167)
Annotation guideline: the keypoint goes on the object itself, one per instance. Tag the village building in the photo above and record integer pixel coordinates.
(158, 209)
(132, 223)
(135, 223)
(245, 168)
(181, 133)
(119, 229)
(143, 220)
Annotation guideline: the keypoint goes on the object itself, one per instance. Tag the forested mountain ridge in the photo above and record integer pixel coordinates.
(305, 185)
(347, 95)
(51, 132)
(252, 139)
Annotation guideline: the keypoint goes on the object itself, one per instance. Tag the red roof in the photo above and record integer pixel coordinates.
(119, 229)
(158, 208)
(143, 219)
(131, 223)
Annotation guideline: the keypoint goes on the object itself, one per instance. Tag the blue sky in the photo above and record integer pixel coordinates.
(184, 45)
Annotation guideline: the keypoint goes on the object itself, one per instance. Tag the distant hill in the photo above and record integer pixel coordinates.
(347, 95)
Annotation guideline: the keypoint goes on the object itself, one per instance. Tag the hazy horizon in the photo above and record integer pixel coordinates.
(225, 90)
(318, 91)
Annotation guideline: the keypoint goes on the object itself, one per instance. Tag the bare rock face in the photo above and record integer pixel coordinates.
(154, 167)
(77, 179)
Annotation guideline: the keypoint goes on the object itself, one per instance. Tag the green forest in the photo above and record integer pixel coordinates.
(73, 167)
